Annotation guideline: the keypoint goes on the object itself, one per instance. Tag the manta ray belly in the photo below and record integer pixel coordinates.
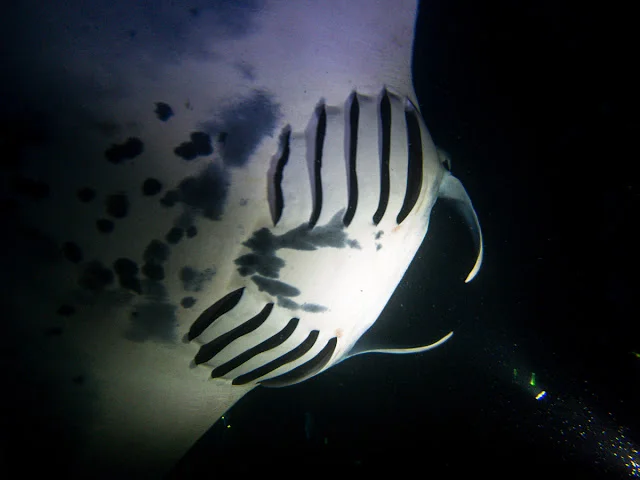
(349, 199)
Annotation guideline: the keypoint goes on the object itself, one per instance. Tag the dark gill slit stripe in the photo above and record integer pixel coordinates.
(214, 312)
(288, 357)
(414, 168)
(385, 141)
(354, 120)
(321, 130)
(269, 344)
(285, 150)
(212, 348)
(305, 370)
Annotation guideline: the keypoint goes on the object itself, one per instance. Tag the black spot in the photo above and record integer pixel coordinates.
(192, 231)
(222, 137)
(156, 252)
(187, 274)
(194, 12)
(153, 271)
(127, 272)
(66, 310)
(193, 280)
(128, 150)
(95, 277)
(186, 151)
(72, 252)
(34, 189)
(104, 225)
(151, 186)
(170, 198)
(163, 111)
(86, 194)
(275, 287)
(379, 234)
(53, 332)
(188, 302)
(202, 141)
(125, 266)
(378, 246)
(79, 379)
(200, 145)
(118, 205)
(174, 235)
(245, 124)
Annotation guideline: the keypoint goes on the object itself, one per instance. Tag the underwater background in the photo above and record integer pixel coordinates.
(536, 103)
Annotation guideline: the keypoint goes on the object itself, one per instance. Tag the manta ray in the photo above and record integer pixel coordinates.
(204, 200)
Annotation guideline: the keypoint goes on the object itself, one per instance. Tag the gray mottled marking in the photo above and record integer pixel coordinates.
(313, 308)
(275, 287)
(205, 193)
(252, 263)
(265, 244)
(307, 307)
(245, 124)
(193, 279)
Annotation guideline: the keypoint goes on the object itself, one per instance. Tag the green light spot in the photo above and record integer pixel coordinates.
(515, 373)
(635, 354)
(532, 382)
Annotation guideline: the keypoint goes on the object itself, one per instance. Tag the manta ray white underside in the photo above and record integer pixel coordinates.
(349, 199)
(225, 196)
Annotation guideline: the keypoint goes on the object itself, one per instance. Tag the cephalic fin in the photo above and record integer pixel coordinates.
(451, 189)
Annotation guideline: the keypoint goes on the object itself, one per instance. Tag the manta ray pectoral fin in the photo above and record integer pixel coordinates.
(403, 351)
(451, 189)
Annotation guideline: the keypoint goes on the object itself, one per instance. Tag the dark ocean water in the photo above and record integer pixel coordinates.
(536, 103)
(537, 106)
